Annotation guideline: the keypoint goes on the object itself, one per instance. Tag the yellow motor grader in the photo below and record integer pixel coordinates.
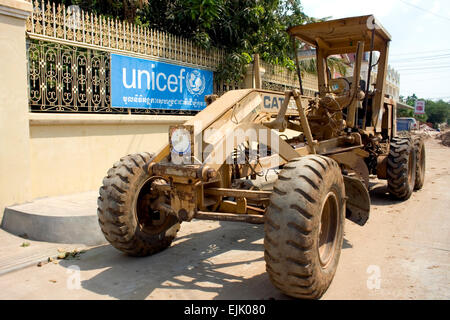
(321, 150)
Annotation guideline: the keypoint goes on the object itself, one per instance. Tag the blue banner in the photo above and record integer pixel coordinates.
(141, 83)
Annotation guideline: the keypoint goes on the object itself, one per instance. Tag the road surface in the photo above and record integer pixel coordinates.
(401, 253)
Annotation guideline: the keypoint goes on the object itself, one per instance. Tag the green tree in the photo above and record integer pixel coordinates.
(124, 9)
(243, 28)
(404, 112)
(411, 100)
(437, 112)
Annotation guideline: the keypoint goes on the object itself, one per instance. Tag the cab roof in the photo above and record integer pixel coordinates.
(342, 35)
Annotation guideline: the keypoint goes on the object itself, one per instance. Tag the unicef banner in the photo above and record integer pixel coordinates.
(140, 83)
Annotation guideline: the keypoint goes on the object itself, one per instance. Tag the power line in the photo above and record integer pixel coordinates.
(405, 74)
(426, 56)
(430, 73)
(423, 67)
(422, 77)
(418, 64)
(409, 60)
(425, 10)
(428, 76)
(419, 52)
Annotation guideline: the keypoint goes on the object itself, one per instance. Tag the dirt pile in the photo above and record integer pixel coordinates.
(445, 138)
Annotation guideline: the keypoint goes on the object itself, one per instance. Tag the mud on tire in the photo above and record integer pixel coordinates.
(304, 226)
(401, 168)
(124, 215)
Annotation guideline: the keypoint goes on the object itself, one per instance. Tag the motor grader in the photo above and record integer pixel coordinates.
(322, 150)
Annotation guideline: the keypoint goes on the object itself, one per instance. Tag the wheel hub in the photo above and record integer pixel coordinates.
(329, 225)
(151, 220)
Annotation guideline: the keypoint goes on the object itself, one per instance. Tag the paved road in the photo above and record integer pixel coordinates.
(401, 253)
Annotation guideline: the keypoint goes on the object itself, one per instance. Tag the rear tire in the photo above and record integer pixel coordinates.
(304, 226)
(401, 168)
(124, 213)
(419, 147)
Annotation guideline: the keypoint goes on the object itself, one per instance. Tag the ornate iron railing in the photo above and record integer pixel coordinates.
(279, 79)
(67, 78)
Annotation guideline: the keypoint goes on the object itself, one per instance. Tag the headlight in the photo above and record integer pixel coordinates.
(181, 140)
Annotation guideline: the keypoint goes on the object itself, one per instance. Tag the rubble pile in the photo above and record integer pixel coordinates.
(426, 132)
(445, 138)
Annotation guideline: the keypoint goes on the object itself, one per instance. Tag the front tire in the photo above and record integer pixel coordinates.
(125, 212)
(304, 226)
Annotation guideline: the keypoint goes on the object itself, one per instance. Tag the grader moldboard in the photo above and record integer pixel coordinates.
(215, 165)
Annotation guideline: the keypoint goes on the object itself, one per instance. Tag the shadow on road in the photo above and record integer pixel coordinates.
(185, 265)
(379, 195)
(195, 261)
(346, 244)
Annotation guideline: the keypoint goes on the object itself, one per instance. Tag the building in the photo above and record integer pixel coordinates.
(392, 78)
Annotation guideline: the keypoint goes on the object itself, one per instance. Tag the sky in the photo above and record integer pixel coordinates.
(420, 31)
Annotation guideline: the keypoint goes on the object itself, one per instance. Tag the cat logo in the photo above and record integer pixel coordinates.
(272, 102)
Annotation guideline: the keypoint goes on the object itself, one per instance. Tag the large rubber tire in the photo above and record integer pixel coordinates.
(124, 215)
(304, 226)
(401, 168)
(419, 147)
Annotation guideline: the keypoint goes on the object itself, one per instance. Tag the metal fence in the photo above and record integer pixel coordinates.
(279, 79)
(72, 25)
(69, 59)
(67, 78)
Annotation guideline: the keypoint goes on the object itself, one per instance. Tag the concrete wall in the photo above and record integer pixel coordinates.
(72, 153)
(51, 154)
(15, 184)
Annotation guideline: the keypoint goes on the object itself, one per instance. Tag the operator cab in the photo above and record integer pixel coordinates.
(360, 104)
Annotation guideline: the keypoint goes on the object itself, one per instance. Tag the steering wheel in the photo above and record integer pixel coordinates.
(339, 86)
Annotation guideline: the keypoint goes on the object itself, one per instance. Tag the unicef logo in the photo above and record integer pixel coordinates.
(195, 82)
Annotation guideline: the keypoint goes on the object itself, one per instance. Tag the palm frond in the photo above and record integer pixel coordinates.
(335, 64)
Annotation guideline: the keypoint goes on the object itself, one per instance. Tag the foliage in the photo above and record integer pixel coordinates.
(436, 112)
(243, 28)
(410, 100)
(124, 9)
(335, 64)
(405, 113)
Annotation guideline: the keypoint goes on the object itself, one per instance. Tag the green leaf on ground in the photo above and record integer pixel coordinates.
(70, 255)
